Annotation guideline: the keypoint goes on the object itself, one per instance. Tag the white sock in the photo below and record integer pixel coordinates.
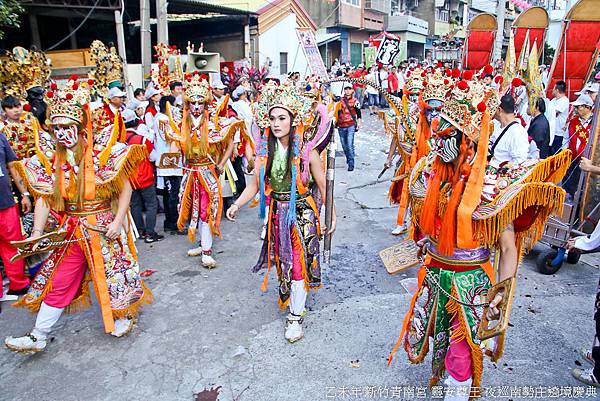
(457, 391)
(297, 297)
(206, 239)
(46, 318)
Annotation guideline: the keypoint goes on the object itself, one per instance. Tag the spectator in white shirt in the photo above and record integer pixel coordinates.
(560, 107)
(511, 144)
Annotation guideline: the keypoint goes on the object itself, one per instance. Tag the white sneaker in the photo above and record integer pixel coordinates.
(195, 251)
(263, 233)
(6, 298)
(208, 261)
(399, 230)
(293, 328)
(122, 327)
(27, 343)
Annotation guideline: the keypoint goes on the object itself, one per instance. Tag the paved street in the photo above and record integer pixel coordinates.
(215, 329)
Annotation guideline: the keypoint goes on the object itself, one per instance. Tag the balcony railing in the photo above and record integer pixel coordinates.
(383, 6)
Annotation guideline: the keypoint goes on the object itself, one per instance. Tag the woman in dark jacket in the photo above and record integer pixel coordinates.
(539, 128)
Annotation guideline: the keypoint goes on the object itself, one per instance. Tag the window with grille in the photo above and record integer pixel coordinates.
(283, 63)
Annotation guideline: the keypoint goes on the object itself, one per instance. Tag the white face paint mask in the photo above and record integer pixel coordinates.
(196, 108)
(66, 135)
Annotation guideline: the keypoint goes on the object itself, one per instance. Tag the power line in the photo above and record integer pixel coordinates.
(76, 29)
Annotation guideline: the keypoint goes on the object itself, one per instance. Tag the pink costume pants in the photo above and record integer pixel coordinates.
(458, 358)
(10, 230)
(67, 278)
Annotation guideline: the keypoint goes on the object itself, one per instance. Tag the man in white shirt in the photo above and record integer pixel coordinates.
(382, 80)
(510, 144)
(560, 107)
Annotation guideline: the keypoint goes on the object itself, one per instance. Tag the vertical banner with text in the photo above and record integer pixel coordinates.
(311, 51)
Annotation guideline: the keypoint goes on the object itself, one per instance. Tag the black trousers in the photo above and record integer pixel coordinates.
(170, 202)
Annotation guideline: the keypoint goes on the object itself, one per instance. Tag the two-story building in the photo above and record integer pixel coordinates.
(345, 26)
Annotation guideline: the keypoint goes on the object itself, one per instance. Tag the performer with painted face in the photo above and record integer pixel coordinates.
(20, 79)
(425, 95)
(107, 76)
(206, 141)
(461, 208)
(82, 174)
(290, 171)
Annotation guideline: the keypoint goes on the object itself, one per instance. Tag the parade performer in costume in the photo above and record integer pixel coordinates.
(403, 129)
(18, 77)
(411, 143)
(290, 171)
(462, 207)
(81, 172)
(206, 141)
(108, 79)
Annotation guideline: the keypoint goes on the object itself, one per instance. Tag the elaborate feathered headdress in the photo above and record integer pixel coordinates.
(66, 104)
(414, 81)
(468, 101)
(108, 72)
(285, 96)
(436, 86)
(196, 88)
(19, 73)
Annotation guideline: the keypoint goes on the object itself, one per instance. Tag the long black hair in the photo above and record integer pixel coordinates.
(271, 146)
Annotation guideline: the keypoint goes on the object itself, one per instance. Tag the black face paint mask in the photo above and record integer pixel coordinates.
(35, 97)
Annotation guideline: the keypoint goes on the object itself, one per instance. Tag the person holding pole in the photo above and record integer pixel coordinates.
(291, 175)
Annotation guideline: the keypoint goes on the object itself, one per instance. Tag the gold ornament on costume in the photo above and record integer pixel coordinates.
(468, 101)
(285, 96)
(437, 86)
(65, 105)
(167, 72)
(109, 67)
(414, 81)
(196, 88)
(21, 70)
(21, 135)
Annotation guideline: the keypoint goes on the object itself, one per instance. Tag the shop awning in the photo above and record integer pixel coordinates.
(324, 38)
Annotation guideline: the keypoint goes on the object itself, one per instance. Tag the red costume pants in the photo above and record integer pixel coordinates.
(67, 278)
(10, 230)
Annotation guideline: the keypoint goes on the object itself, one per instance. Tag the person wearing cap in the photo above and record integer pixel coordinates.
(590, 89)
(144, 190)
(111, 108)
(218, 91)
(579, 133)
(139, 108)
(153, 97)
(348, 119)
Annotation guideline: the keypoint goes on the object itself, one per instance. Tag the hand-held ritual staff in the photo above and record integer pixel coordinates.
(82, 173)
(462, 207)
(290, 170)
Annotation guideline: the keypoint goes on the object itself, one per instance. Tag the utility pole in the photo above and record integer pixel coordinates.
(500, 13)
(146, 44)
(162, 24)
(121, 47)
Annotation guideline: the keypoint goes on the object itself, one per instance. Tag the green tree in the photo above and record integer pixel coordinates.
(10, 11)
(548, 54)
